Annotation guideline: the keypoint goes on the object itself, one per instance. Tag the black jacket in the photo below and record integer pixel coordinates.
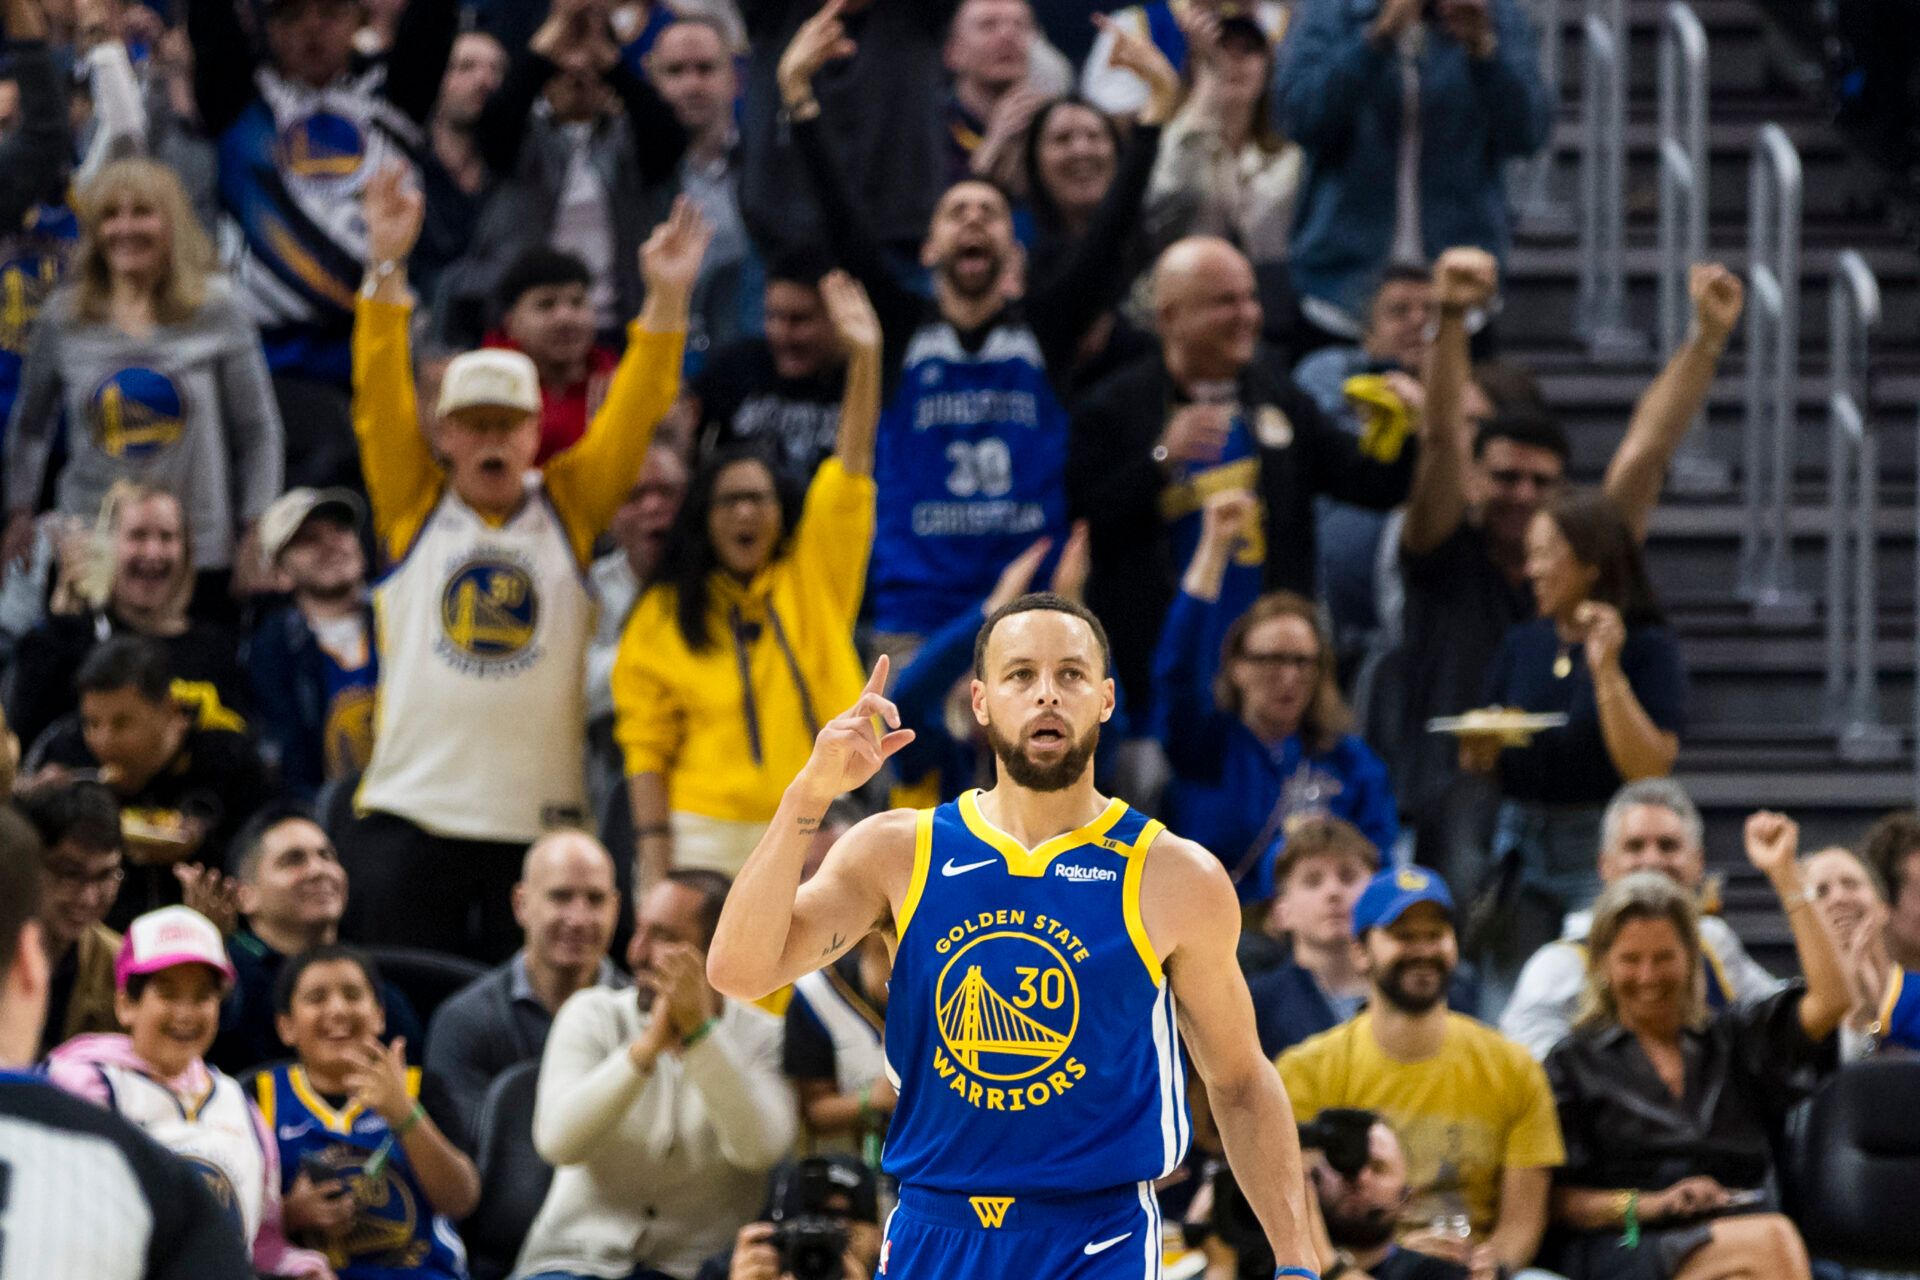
(1114, 484)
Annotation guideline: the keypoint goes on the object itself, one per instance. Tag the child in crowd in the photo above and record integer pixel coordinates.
(170, 977)
(364, 1172)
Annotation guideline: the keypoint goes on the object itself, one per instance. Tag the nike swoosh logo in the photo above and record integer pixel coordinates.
(1105, 1245)
(951, 870)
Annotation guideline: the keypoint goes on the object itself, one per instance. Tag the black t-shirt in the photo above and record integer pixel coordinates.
(743, 397)
(1459, 607)
(1404, 1264)
(1570, 765)
(216, 777)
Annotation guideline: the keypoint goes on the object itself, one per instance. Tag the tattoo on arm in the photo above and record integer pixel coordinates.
(809, 825)
(833, 947)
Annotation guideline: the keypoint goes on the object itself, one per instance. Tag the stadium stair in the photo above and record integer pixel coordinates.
(1754, 737)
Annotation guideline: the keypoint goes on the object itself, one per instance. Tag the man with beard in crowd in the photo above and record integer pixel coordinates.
(1362, 1213)
(972, 444)
(1473, 1108)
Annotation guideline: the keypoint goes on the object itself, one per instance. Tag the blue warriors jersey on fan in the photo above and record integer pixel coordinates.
(1900, 1010)
(1030, 1027)
(1185, 497)
(971, 464)
(33, 259)
(395, 1232)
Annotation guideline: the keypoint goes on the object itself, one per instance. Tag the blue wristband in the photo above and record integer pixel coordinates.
(1281, 1273)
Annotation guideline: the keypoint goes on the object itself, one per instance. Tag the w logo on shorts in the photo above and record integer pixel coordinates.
(992, 1210)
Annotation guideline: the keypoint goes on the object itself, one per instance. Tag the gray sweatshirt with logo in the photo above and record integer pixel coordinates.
(188, 407)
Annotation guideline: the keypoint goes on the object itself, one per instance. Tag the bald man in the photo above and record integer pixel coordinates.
(566, 905)
(1209, 410)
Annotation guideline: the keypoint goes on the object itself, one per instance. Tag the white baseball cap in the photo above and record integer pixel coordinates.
(168, 937)
(279, 522)
(493, 378)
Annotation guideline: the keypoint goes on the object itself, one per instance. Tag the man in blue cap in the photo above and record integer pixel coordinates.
(1472, 1108)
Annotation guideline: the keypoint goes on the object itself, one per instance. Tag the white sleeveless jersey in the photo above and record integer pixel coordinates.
(215, 1135)
(481, 728)
(859, 1057)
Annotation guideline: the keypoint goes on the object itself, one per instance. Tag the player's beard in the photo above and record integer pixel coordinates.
(1057, 776)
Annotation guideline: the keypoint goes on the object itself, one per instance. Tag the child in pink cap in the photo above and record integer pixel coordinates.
(170, 977)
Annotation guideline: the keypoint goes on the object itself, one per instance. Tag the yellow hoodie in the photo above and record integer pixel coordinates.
(684, 714)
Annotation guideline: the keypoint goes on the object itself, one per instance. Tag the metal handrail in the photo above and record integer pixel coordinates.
(1683, 217)
(1853, 312)
(1601, 305)
(1773, 360)
(1534, 197)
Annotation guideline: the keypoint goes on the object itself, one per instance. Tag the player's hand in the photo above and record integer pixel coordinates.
(317, 1208)
(670, 259)
(1133, 52)
(394, 210)
(215, 896)
(849, 749)
(1772, 841)
(821, 39)
(1227, 517)
(1197, 432)
(852, 313)
(754, 1257)
(1017, 578)
(378, 1079)
(1718, 297)
(1076, 562)
(1465, 277)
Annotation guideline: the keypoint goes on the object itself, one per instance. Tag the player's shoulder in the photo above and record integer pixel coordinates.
(1178, 865)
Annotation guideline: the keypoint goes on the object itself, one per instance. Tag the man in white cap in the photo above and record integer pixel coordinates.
(312, 659)
(485, 616)
(146, 1214)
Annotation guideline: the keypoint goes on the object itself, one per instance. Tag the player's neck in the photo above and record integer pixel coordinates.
(1407, 1037)
(1034, 817)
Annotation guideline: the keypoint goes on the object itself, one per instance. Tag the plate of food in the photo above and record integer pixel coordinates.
(1501, 722)
(158, 836)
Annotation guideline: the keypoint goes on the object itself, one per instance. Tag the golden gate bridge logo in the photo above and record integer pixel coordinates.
(1018, 1023)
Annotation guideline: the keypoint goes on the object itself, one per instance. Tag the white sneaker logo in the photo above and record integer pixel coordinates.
(951, 870)
(1104, 1245)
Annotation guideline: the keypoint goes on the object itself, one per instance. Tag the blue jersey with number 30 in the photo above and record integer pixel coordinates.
(970, 464)
(1030, 1027)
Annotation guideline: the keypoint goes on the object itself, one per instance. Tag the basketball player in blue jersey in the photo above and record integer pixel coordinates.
(1053, 951)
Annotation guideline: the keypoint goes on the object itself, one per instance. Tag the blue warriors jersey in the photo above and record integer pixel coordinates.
(33, 260)
(1185, 497)
(971, 464)
(1900, 1010)
(395, 1232)
(1030, 1028)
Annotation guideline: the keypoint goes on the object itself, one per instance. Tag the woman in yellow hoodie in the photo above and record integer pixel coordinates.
(741, 645)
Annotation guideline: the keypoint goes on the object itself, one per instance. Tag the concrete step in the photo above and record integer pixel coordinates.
(1540, 286)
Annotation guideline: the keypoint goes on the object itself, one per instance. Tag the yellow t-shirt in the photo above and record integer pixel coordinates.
(1476, 1108)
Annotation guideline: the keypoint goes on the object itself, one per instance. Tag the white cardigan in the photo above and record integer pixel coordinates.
(659, 1169)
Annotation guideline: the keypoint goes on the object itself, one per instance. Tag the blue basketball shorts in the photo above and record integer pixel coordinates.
(1104, 1235)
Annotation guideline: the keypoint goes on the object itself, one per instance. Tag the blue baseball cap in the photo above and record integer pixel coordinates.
(1390, 894)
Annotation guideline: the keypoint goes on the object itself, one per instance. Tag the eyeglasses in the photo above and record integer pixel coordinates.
(1282, 661)
(1514, 477)
(76, 877)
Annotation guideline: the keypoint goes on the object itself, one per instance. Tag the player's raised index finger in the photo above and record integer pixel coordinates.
(878, 680)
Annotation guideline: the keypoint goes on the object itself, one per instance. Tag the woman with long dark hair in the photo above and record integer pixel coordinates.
(1600, 653)
(742, 641)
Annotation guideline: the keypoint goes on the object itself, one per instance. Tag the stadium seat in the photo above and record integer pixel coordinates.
(425, 977)
(1852, 1162)
(513, 1177)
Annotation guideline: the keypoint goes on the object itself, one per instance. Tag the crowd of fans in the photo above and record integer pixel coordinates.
(457, 457)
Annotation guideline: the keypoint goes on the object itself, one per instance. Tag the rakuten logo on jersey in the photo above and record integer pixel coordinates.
(1084, 875)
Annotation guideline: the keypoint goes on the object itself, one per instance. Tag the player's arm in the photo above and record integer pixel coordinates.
(773, 929)
(1188, 902)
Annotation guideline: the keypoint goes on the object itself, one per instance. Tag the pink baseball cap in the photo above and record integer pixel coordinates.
(167, 937)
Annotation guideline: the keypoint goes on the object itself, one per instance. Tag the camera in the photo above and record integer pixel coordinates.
(1341, 1134)
(811, 1247)
(813, 1199)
